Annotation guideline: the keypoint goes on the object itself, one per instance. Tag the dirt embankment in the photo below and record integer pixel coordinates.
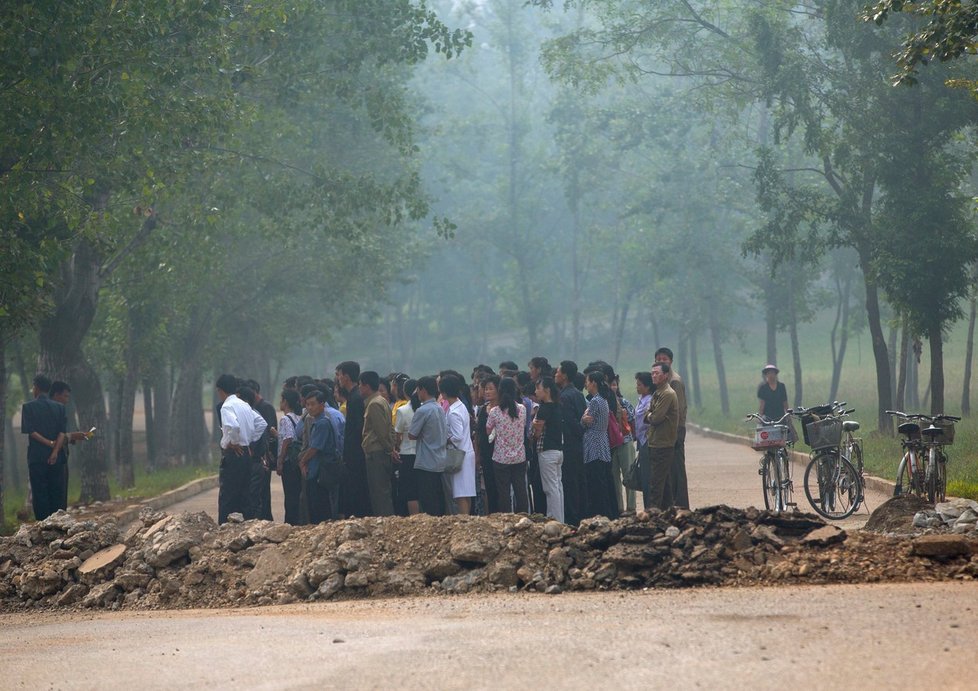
(187, 561)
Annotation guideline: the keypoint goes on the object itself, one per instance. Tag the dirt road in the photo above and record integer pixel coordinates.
(840, 637)
(719, 473)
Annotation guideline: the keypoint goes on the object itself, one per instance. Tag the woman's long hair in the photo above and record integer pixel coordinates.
(508, 396)
(603, 389)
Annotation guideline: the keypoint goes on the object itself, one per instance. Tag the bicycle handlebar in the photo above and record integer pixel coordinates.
(768, 421)
(922, 416)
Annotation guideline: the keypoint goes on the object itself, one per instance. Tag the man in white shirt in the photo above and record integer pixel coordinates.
(239, 427)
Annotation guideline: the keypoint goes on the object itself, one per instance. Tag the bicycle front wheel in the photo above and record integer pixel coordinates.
(784, 464)
(832, 486)
(771, 477)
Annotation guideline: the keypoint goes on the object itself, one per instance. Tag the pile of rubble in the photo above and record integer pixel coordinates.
(187, 560)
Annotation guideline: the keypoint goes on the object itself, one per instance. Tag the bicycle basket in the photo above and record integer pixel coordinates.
(806, 420)
(947, 432)
(822, 434)
(769, 436)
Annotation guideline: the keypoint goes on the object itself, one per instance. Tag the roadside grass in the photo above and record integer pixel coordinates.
(148, 484)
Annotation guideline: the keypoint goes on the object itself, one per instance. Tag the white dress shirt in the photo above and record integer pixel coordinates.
(240, 424)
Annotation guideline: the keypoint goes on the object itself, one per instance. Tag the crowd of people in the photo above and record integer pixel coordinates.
(551, 439)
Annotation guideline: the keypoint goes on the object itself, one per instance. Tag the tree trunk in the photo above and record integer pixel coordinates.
(903, 366)
(937, 374)
(61, 334)
(656, 335)
(969, 354)
(115, 397)
(162, 396)
(125, 468)
(844, 289)
(21, 365)
(913, 375)
(620, 335)
(892, 352)
(883, 388)
(795, 349)
(718, 358)
(149, 423)
(771, 320)
(694, 372)
(188, 430)
(681, 356)
(3, 427)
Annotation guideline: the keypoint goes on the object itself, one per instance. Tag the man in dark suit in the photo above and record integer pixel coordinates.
(354, 496)
(262, 470)
(46, 424)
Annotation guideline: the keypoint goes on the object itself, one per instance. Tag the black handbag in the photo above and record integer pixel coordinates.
(332, 470)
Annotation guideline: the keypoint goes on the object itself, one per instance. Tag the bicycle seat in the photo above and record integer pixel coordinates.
(909, 428)
(932, 432)
(850, 425)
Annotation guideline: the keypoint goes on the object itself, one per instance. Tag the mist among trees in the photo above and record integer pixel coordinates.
(268, 189)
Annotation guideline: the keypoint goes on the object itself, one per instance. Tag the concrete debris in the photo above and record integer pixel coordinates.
(187, 560)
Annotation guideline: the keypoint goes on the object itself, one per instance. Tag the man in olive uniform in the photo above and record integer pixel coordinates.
(663, 421)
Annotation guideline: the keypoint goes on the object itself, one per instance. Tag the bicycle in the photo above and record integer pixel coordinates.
(910, 473)
(852, 449)
(774, 439)
(833, 486)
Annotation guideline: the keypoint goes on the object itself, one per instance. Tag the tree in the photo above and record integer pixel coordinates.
(132, 99)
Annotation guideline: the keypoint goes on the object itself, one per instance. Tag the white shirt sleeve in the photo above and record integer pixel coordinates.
(230, 428)
(456, 426)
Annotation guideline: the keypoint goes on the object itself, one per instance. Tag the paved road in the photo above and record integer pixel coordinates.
(838, 637)
(903, 636)
(719, 473)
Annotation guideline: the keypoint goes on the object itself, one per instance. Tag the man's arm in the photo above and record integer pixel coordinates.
(53, 458)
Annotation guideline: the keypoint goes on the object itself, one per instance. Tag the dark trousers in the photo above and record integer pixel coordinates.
(320, 507)
(644, 474)
(489, 476)
(259, 491)
(511, 476)
(354, 495)
(380, 475)
(48, 487)
(538, 499)
(235, 480)
(600, 490)
(292, 488)
(680, 489)
(431, 497)
(657, 478)
(572, 478)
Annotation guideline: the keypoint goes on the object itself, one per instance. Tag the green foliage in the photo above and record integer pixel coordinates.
(945, 31)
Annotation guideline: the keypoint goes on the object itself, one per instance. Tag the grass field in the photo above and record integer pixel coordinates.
(743, 361)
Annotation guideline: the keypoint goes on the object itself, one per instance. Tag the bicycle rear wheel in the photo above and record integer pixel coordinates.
(771, 479)
(832, 486)
(909, 481)
(854, 454)
(937, 480)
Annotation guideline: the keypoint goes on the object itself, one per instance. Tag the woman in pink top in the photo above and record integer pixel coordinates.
(508, 421)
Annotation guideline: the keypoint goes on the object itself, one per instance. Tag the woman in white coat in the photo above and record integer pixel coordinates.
(460, 435)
